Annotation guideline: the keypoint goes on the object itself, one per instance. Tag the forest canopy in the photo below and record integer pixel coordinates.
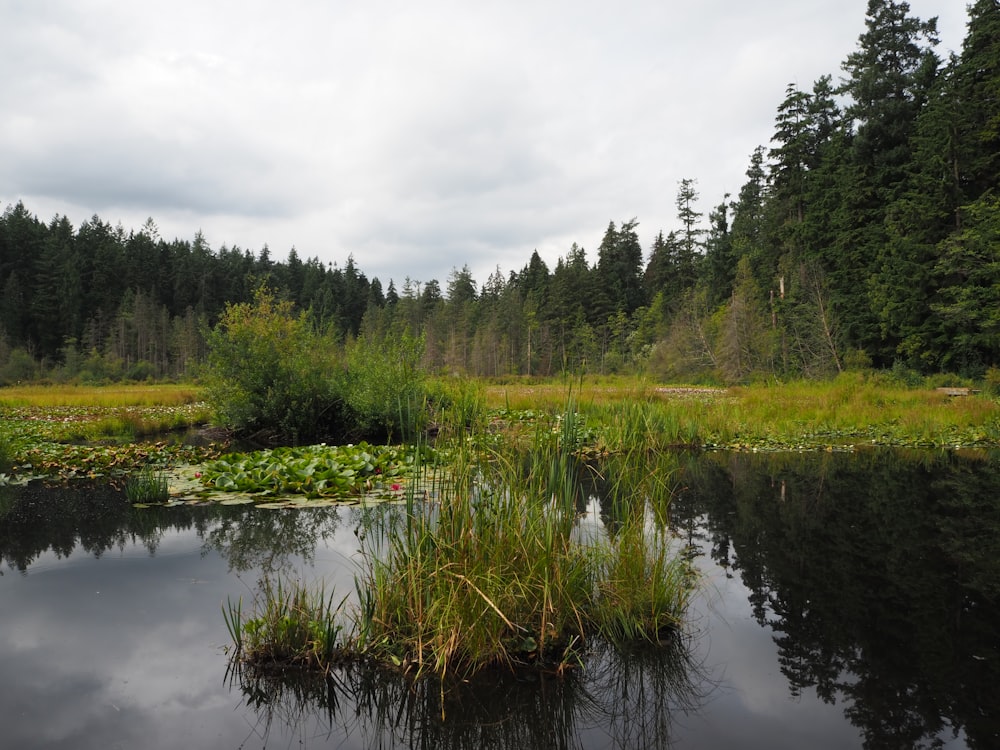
(867, 233)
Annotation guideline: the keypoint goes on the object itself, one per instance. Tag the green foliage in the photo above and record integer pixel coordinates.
(382, 387)
(270, 371)
(289, 624)
(499, 576)
(6, 454)
(313, 471)
(149, 485)
(19, 367)
(992, 381)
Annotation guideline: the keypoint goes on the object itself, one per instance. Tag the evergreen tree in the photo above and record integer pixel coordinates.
(976, 121)
(888, 80)
(691, 242)
(620, 270)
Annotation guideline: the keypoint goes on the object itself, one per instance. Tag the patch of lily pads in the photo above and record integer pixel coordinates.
(307, 476)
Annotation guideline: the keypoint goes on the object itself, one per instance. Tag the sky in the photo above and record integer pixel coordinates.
(418, 138)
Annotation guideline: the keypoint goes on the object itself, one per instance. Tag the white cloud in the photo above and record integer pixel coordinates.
(417, 137)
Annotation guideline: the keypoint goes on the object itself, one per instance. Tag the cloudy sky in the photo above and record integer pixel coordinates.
(417, 136)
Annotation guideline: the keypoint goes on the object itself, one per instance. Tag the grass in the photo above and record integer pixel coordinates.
(494, 572)
(853, 409)
(291, 625)
(148, 485)
(116, 396)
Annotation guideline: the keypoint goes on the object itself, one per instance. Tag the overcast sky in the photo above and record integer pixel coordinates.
(417, 136)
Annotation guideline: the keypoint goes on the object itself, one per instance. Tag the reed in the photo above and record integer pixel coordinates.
(6, 455)
(290, 624)
(495, 573)
(148, 485)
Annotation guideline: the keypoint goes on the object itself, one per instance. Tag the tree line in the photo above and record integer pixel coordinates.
(867, 233)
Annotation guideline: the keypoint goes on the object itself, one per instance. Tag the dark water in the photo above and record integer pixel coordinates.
(849, 600)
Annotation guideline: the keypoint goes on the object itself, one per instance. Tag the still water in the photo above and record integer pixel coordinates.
(847, 600)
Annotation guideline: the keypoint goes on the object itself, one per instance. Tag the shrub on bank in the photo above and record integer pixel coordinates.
(273, 373)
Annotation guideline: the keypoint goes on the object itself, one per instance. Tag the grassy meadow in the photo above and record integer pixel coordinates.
(70, 430)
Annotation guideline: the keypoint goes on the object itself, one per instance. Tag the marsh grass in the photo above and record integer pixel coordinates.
(6, 454)
(99, 396)
(148, 485)
(290, 624)
(853, 409)
(495, 573)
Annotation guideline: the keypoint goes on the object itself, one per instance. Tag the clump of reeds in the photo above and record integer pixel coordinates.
(489, 567)
(148, 485)
(6, 455)
(290, 625)
(495, 574)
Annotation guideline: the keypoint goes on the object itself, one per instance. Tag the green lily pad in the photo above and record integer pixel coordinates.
(236, 501)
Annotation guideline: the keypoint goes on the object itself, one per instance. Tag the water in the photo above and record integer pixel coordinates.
(848, 600)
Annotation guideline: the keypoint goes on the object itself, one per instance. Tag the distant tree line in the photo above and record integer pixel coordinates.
(866, 234)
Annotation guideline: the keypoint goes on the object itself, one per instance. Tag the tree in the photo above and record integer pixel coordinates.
(889, 78)
(691, 244)
(976, 89)
(967, 275)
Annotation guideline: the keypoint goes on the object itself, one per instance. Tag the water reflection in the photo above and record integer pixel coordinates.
(878, 574)
(862, 609)
(96, 518)
(625, 699)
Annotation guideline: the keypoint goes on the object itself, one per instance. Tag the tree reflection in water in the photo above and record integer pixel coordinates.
(878, 573)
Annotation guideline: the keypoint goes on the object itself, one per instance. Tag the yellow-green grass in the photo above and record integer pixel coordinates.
(171, 394)
(850, 410)
(42, 427)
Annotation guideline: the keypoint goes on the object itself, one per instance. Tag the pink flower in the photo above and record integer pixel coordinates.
(396, 487)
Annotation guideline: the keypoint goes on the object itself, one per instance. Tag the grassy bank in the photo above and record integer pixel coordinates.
(70, 431)
(852, 410)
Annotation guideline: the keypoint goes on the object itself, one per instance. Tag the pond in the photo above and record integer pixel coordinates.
(847, 600)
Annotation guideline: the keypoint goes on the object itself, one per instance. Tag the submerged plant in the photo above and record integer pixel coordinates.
(148, 485)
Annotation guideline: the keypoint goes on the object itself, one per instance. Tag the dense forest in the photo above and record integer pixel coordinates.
(867, 234)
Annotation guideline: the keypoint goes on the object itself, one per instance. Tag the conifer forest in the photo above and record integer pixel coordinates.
(866, 234)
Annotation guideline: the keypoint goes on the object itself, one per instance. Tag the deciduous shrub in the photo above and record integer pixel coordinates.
(382, 387)
(270, 371)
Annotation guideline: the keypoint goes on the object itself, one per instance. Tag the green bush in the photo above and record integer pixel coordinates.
(269, 371)
(20, 366)
(991, 381)
(382, 388)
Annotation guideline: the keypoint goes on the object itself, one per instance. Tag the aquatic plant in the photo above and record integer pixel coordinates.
(6, 455)
(497, 573)
(290, 625)
(491, 568)
(148, 485)
(315, 471)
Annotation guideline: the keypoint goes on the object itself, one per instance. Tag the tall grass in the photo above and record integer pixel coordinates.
(290, 624)
(495, 575)
(6, 454)
(148, 485)
(99, 396)
(852, 409)
(488, 567)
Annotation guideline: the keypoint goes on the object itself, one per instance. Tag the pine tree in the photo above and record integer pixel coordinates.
(888, 80)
